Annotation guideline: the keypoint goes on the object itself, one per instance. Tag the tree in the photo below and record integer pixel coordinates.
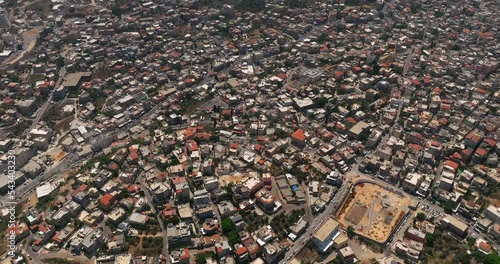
(321, 101)
(233, 238)
(471, 241)
(296, 3)
(201, 258)
(491, 259)
(448, 207)
(227, 225)
(421, 217)
(251, 5)
(430, 240)
(60, 62)
(350, 231)
(336, 260)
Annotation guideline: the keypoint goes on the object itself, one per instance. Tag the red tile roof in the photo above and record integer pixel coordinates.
(258, 147)
(241, 251)
(415, 147)
(481, 152)
(190, 131)
(133, 155)
(106, 199)
(299, 135)
(452, 164)
(192, 145)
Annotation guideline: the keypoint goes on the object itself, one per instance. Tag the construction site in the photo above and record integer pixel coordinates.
(374, 211)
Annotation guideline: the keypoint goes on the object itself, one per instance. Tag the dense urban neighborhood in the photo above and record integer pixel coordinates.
(249, 131)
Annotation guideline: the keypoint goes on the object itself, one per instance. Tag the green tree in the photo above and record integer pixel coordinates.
(227, 225)
(471, 241)
(233, 238)
(350, 231)
(321, 102)
(430, 240)
(251, 5)
(492, 259)
(296, 3)
(60, 62)
(421, 217)
(201, 258)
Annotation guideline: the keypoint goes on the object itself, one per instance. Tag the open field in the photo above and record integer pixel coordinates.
(227, 179)
(307, 255)
(57, 154)
(373, 211)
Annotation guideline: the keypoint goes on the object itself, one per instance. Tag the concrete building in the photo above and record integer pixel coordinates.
(74, 80)
(347, 255)
(299, 138)
(160, 192)
(454, 225)
(359, 130)
(493, 213)
(298, 229)
(5, 21)
(32, 169)
(415, 234)
(412, 182)
(179, 234)
(265, 200)
(326, 234)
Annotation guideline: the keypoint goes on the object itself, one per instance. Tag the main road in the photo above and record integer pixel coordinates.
(330, 209)
(149, 199)
(43, 108)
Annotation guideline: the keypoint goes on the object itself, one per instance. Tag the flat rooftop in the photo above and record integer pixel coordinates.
(326, 229)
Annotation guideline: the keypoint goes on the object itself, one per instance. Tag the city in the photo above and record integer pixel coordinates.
(249, 131)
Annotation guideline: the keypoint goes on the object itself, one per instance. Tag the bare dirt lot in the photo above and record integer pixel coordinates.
(373, 211)
(57, 154)
(307, 255)
(226, 179)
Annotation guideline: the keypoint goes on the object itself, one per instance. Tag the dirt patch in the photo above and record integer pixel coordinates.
(32, 33)
(307, 255)
(493, 201)
(41, 7)
(57, 154)
(373, 211)
(3, 249)
(356, 213)
(31, 202)
(225, 180)
(64, 125)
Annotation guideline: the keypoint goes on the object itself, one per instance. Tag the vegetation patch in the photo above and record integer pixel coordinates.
(281, 223)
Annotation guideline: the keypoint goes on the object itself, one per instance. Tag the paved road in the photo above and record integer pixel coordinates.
(145, 187)
(343, 191)
(29, 42)
(24, 191)
(318, 221)
(37, 258)
(43, 108)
